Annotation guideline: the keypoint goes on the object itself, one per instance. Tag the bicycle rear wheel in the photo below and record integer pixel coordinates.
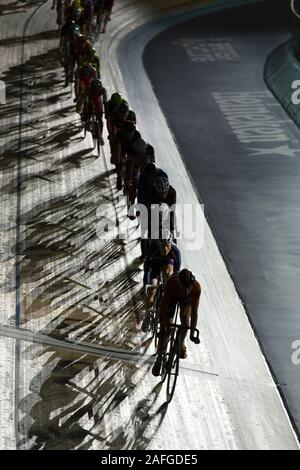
(172, 368)
(97, 133)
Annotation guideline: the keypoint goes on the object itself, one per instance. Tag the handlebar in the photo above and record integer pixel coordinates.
(194, 334)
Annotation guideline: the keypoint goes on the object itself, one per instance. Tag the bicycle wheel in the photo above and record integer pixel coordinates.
(166, 356)
(98, 133)
(65, 60)
(172, 368)
(84, 122)
(155, 325)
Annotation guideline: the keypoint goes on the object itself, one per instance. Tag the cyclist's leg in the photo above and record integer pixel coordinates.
(110, 7)
(59, 18)
(72, 61)
(118, 158)
(149, 300)
(100, 122)
(128, 173)
(133, 184)
(80, 97)
(167, 272)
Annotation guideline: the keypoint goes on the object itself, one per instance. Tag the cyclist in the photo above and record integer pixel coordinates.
(183, 289)
(117, 118)
(85, 75)
(111, 105)
(59, 11)
(73, 11)
(148, 176)
(138, 156)
(86, 54)
(97, 101)
(102, 10)
(160, 191)
(163, 259)
(68, 35)
(86, 19)
(129, 148)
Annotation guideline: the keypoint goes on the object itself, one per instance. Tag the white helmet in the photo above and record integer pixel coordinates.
(166, 237)
(164, 212)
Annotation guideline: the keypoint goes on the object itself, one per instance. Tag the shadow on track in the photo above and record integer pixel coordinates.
(74, 284)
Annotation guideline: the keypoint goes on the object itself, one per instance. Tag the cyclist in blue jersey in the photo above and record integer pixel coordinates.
(163, 257)
(147, 179)
(162, 261)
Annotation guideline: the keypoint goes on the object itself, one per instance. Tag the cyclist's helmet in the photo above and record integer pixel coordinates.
(149, 153)
(116, 99)
(76, 3)
(149, 150)
(76, 12)
(161, 185)
(186, 277)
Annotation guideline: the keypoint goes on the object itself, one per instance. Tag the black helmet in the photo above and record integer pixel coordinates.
(149, 150)
(186, 277)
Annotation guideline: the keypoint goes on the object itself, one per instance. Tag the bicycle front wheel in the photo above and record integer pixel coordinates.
(172, 368)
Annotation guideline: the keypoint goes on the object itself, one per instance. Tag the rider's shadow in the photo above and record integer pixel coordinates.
(143, 424)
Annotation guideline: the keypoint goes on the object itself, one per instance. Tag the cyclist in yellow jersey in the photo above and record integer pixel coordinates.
(86, 54)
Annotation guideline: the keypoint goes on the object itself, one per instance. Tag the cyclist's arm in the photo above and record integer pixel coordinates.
(117, 149)
(148, 263)
(171, 204)
(97, 64)
(104, 98)
(141, 190)
(147, 271)
(177, 262)
(195, 304)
